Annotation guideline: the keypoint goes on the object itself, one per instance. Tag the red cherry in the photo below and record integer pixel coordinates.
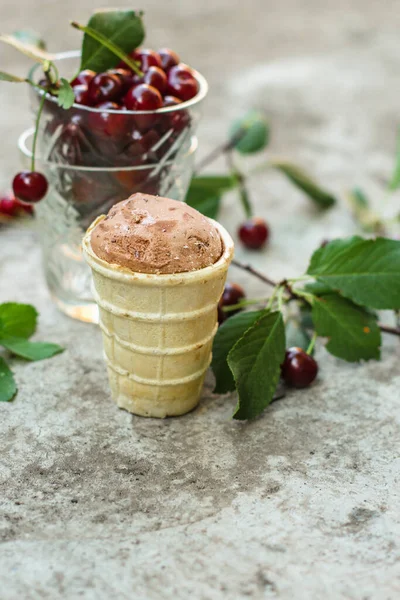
(147, 98)
(84, 77)
(131, 180)
(81, 93)
(233, 293)
(105, 88)
(140, 143)
(106, 124)
(12, 207)
(299, 369)
(254, 233)
(157, 78)
(182, 83)
(124, 75)
(171, 101)
(146, 59)
(30, 186)
(168, 58)
(143, 97)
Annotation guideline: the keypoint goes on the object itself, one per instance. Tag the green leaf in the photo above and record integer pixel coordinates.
(209, 207)
(11, 78)
(305, 183)
(213, 183)
(8, 387)
(30, 350)
(17, 320)
(255, 128)
(205, 192)
(395, 181)
(255, 361)
(227, 335)
(28, 49)
(65, 94)
(30, 37)
(366, 271)
(296, 335)
(123, 29)
(352, 331)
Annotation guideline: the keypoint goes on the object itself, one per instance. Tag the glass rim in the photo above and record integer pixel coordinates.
(202, 81)
(23, 148)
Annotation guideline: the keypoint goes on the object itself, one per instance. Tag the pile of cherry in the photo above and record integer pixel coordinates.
(165, 82)
(110, 136)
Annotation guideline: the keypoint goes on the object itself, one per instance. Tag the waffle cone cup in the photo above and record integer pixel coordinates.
(157, 330)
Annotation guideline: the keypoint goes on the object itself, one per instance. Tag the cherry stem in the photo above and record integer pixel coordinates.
(312, 343)
(265, 279)
(40, 110)
(387, 329)
(292, 294)
(222, 149)
(241, 180)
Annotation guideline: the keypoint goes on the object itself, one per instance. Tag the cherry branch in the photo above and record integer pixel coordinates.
(265, 279)
(292, 294)
(222, 149)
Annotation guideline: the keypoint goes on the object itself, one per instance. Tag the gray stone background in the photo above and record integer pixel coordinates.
(302, 503)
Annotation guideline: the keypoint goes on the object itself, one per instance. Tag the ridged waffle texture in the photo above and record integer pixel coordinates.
(157, 331)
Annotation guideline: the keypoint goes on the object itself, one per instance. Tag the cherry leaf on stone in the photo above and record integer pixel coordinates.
(227, 335)
(305, 183)
(255, 362)
(365, 271)
(8, 387)
(353, 332)
(65, 94)
(17, 320)
(122, 28)
(30, 350)
(252, 131)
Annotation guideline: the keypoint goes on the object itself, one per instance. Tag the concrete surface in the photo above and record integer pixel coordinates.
(303, 503)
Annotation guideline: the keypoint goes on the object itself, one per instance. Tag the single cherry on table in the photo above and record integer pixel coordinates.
(254, 233)
(299, 369)
(12, 207)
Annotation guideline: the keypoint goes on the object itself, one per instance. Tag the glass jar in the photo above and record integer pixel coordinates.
(92, 159)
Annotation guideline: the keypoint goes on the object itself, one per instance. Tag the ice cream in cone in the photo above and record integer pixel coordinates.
(159, 269)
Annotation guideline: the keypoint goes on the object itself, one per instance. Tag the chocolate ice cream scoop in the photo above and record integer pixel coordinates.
(150, 234)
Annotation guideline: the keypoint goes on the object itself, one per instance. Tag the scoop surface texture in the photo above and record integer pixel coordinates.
(151, 234)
